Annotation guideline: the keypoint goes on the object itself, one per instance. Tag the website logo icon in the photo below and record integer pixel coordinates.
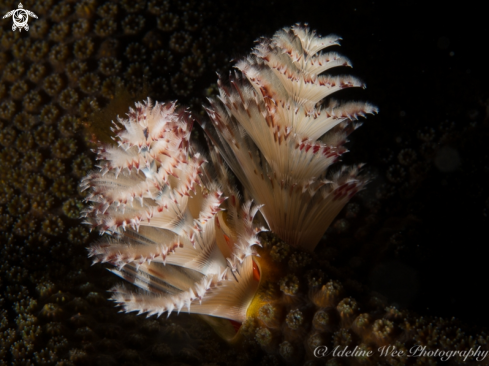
(20, 17)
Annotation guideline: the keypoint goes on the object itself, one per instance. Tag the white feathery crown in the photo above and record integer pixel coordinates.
(176, 226)
(161, 218)
(279, 141)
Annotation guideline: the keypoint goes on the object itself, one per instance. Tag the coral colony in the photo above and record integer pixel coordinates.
(176, 225)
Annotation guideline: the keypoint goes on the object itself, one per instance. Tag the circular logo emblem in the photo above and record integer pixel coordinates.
(20, 17)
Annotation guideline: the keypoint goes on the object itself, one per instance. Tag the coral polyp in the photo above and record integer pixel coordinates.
(178, 227)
